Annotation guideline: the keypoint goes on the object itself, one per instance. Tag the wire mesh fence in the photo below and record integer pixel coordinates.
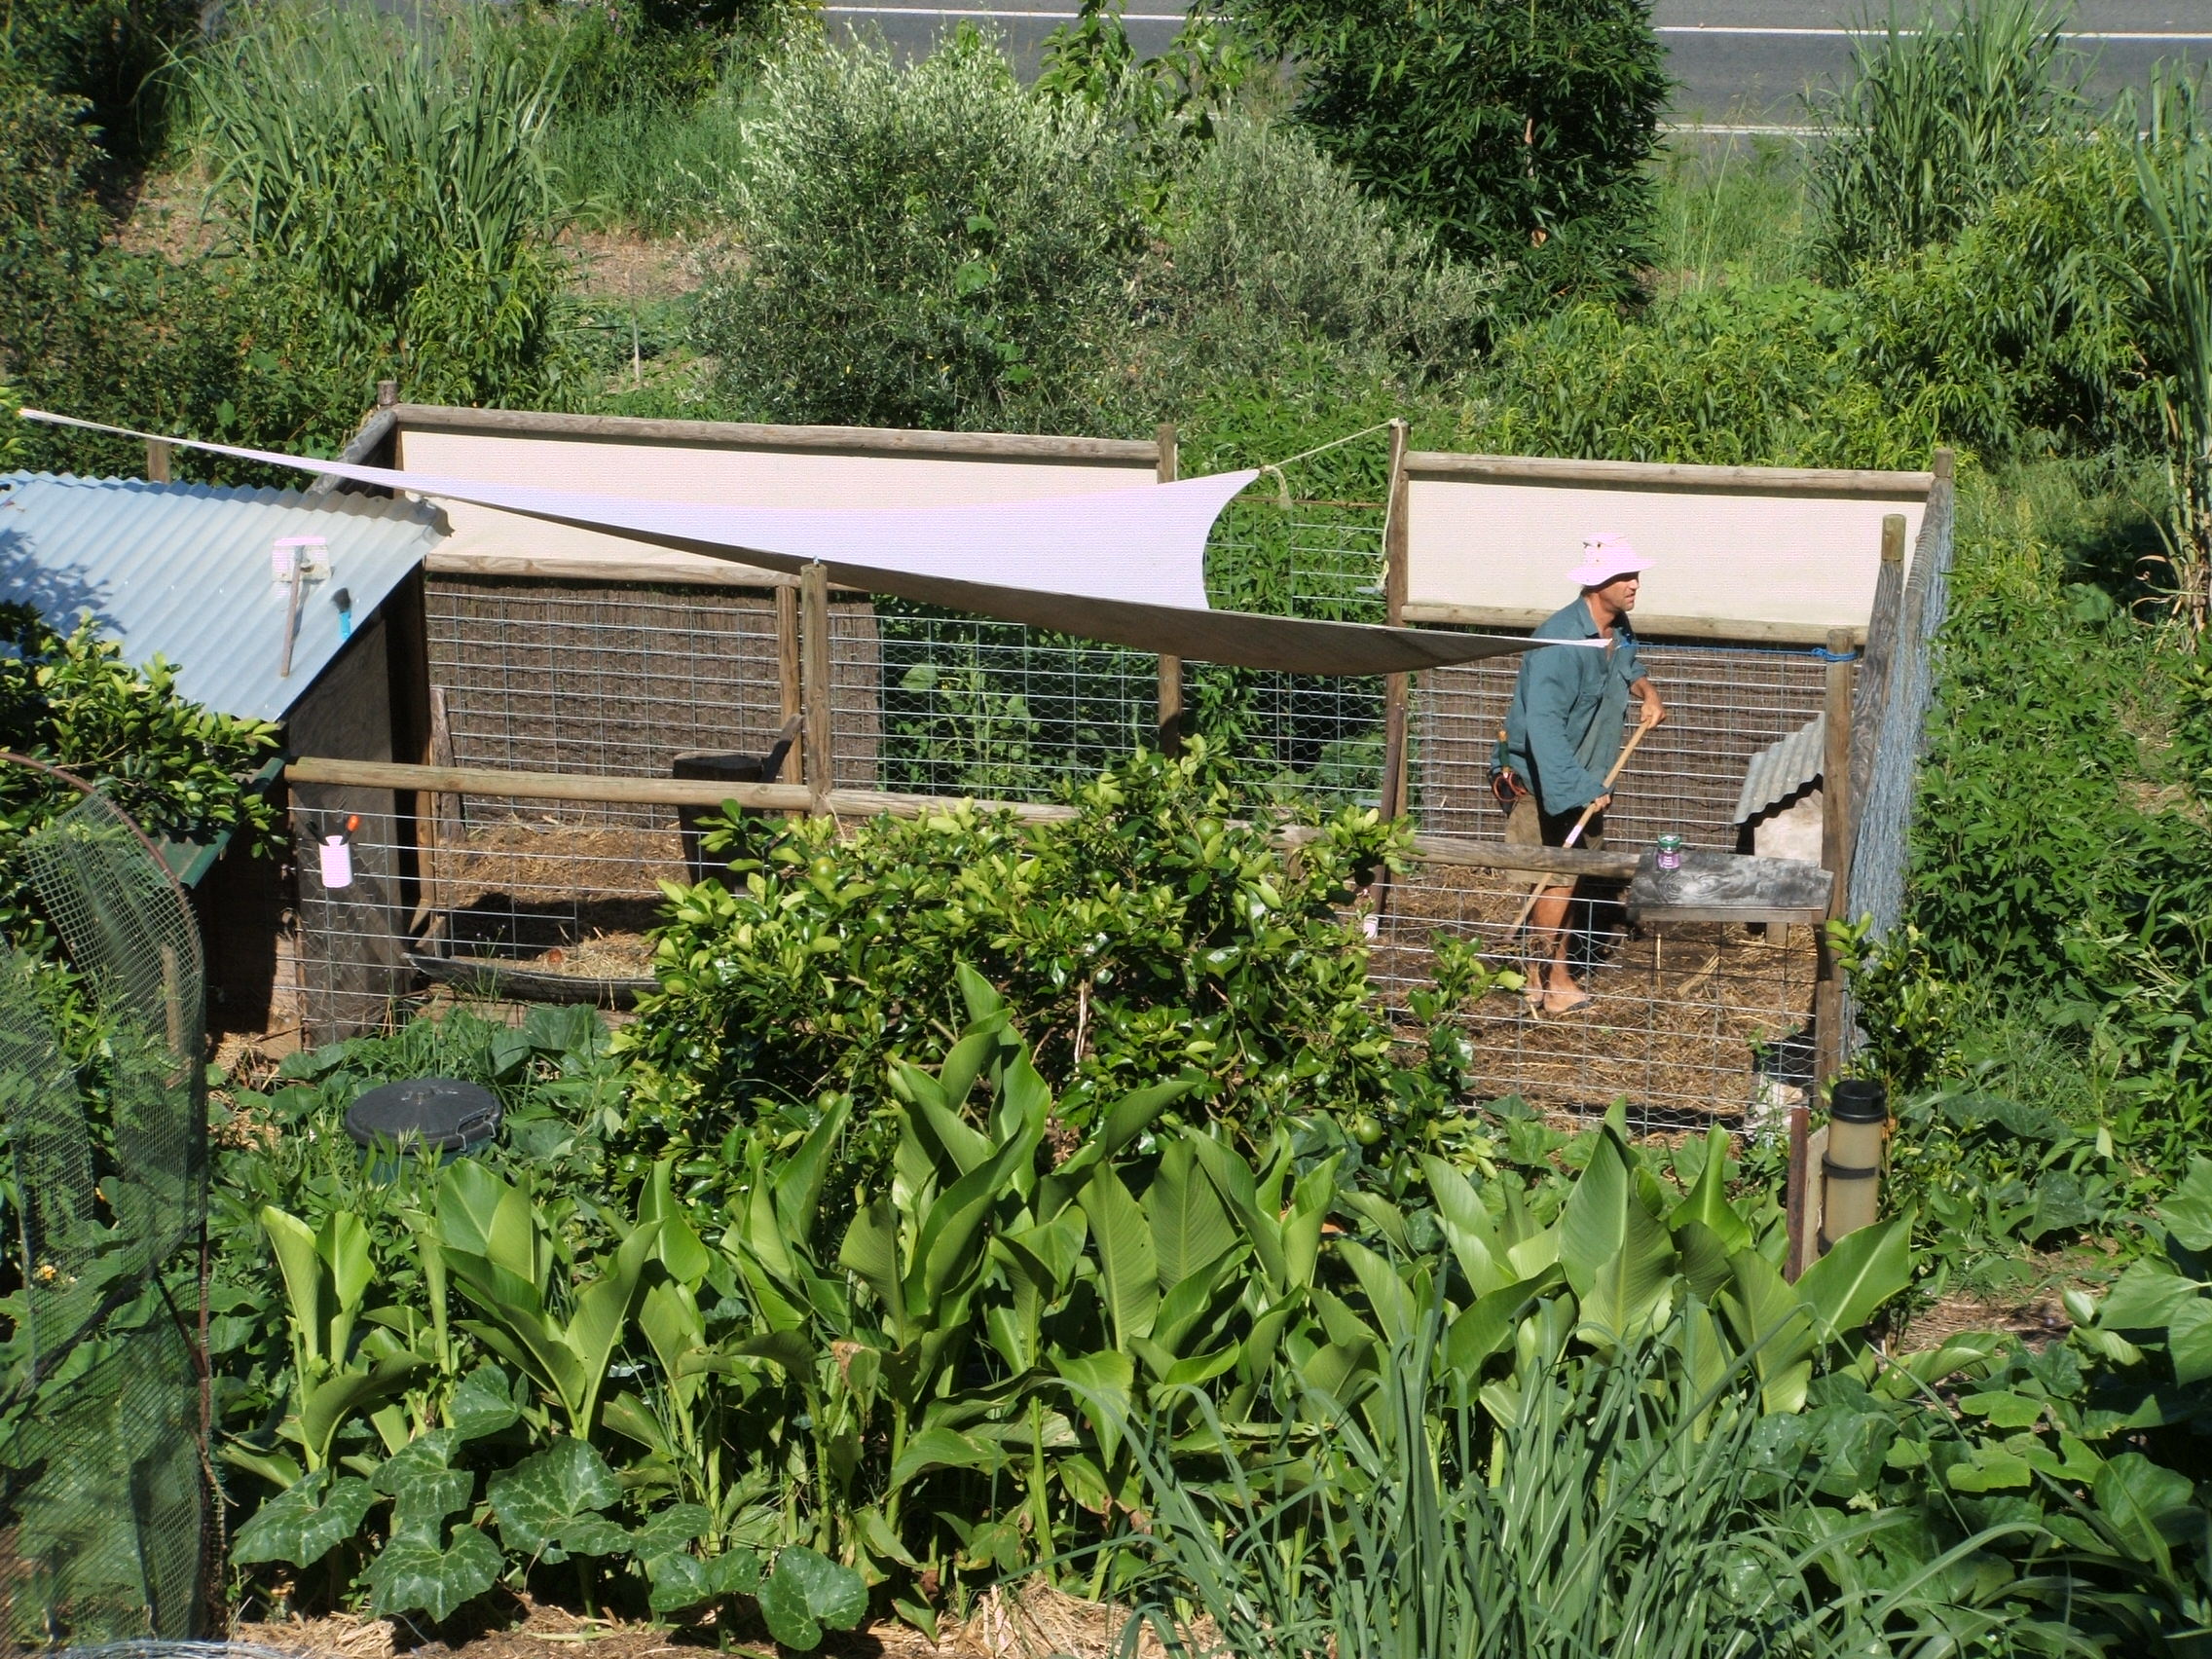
(103, 1495)
(527, 899)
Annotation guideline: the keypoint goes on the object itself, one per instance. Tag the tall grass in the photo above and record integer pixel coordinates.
(2173, 166)
(1733, 209)
(1627, 1503)
(655, 165)
(1938, 118)
(395, 175)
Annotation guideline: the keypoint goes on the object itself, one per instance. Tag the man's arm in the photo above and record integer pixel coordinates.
(1654, 710)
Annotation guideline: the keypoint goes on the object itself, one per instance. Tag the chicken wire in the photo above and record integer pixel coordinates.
(103, 1429)
(596, 678)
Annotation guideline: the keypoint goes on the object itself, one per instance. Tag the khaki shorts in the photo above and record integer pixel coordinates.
(1529, 826)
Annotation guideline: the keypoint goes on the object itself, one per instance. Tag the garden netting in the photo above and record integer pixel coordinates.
(102, 1488)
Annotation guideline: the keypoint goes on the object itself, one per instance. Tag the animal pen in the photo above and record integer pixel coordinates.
(579, 699)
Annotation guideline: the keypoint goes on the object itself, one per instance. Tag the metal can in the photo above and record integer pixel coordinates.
(1667, 852)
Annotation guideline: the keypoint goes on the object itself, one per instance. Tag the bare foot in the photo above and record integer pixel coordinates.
(1566, 1001)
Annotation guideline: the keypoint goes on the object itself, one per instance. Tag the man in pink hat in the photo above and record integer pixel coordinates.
(1565, 731)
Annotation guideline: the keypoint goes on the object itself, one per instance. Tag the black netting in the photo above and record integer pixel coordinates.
(102, 1491)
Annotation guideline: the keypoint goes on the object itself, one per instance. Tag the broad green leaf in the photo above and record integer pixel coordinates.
(1123, 1121)
(468, 1198)
(680, 1252)
(2149, 1508)
(804, 1591)
(2188, 1341)
(943, 1449)
(2187, 1210)
(330, 1405)
(1191, 1228)
(1775, 1328)
(304, 1523)
(483, 1403)
(412, 1574)
(2004, 1408)
(1704, 1259)
(589, 1535)
(547, 1490)
(1380, 1214)
(421, 1504)
(2146, 1296)
(682, 1581)
(1860, 1271)
(1487, 1327)
(1103, 1382)
(668, 1531)
(1387, 1293)
(872, 1251)
(297, 1259)
(1604, 1228)
(1467, 1227)
(1127, 1264)
(1707, 1203)
(798, 1183)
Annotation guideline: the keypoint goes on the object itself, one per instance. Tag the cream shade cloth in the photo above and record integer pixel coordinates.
(1125, 566)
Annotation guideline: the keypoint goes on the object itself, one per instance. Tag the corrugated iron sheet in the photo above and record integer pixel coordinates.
(182, 571)
(1782, 768)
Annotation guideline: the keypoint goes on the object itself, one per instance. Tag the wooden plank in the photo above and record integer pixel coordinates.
(1170, 667)
(1835, 857)
(1490, 620)
(819, 440)
(157, 462)
(789, 698)
(1397, 688)
(442, 562)
(814, 684)
(1872, 691)
(1650, 475)
(646, 791)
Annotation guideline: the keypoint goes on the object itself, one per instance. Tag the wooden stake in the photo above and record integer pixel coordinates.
(788, 678)
(814, 680)
(1828, 986)
(157, 462)
(1397, 688)
(1170, 667)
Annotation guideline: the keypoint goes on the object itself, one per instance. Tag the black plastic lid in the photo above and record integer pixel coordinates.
(1858, 1100)
(440, 1111)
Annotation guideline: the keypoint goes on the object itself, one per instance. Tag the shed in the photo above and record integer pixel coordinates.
(184, 572)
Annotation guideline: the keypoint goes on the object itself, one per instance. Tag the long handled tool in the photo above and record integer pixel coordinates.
(1581, 824)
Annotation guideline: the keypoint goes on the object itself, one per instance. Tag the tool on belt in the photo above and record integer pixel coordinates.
(1503, 783)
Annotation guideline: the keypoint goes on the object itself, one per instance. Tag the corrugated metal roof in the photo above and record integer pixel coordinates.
(1781, 769)
(183, 571)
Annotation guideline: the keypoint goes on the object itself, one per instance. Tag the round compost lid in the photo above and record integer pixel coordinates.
(441, 1112)
(1858, 1100)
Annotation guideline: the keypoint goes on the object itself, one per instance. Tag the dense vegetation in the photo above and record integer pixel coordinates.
(1108, 1193)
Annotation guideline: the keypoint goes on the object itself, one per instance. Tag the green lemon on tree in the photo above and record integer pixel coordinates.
(1364, 1128)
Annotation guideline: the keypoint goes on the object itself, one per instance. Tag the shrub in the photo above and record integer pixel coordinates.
(1156, 937)
(932, 246)
(1761, 375)
(1521, 133)
(1940, 118)
(108, 55)
(71, 700)
(1274, 254)
(392, 179)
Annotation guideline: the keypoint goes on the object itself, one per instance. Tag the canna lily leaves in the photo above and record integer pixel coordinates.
(2148, 1509)
(1104, 1382)
(1860, 1271)
(944, 1448)
(1613, 1247)
(305, 1522)
(1707, 1203)
(1467, 1227)
(1127, 1263)
(1191, 1228)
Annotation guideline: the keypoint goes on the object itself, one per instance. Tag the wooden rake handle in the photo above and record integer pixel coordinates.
(1583, 822)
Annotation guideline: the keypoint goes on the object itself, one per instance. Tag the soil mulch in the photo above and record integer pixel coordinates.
(1677, 1021)
(1030, 1621)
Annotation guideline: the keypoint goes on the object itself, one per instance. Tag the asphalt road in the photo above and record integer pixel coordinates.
(1737, 63)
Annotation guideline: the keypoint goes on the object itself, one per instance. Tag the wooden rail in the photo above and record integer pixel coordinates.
(867, 803)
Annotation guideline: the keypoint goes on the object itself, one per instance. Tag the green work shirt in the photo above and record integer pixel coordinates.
(1564, 729)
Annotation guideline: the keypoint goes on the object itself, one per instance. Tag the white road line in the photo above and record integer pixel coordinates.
(1069, 16)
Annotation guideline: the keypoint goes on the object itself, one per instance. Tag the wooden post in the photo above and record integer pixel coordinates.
(157, 462)
(1872, 692)
(814, 680)
(1170, 667)
(1397, 688)
(1828, 987)
(788, 678)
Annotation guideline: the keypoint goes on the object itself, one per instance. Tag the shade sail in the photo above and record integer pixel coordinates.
(1125, 567)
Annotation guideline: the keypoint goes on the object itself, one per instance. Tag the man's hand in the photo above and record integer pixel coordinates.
(1654, 710)
(1598, 805)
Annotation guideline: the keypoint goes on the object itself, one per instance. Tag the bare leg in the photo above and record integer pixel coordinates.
(1557, 985)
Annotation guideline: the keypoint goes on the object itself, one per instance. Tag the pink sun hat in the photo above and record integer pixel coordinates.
(1605, 556)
